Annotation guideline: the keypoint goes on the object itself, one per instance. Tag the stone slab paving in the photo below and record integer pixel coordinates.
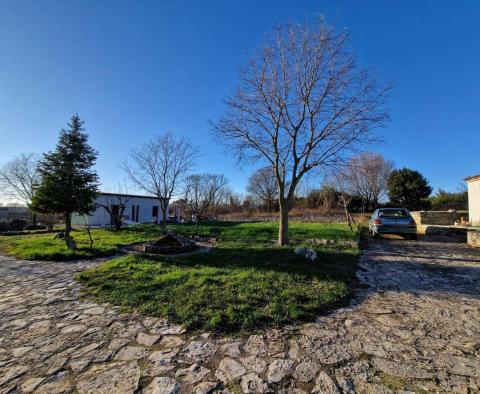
(414, 325)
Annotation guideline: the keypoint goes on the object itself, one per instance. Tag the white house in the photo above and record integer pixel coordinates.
(139, 209)
(473, 184)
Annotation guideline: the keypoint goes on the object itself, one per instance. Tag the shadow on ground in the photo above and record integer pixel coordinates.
(424, 266)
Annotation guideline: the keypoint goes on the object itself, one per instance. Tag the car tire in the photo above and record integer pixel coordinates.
(413, 237)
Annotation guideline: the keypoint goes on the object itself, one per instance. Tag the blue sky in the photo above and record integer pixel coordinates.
(136, 68)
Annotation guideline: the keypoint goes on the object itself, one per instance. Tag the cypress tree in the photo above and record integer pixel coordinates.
(68, 182)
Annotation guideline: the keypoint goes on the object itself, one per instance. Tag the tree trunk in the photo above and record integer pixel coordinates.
(68, 224)
(119, 218)
(68, 228)
(283, 224)
(164, 208)
(118, 223)
(164, 217)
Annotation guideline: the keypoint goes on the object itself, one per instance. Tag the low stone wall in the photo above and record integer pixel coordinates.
(439, 218)
(448, 233)
(473, 238)
(307, 217)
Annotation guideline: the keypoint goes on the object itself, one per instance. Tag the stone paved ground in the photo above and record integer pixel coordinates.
(414, 326)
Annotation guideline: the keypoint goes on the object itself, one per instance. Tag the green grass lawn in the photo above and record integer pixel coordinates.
(235, 288)
(46, 247)
(267, 231)
(31, 246)
(243, 284)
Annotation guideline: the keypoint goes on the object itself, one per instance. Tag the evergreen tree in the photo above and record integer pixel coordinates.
(68, 183)
(408, 188)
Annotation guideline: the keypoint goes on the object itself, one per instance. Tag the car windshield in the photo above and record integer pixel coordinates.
(393, 213)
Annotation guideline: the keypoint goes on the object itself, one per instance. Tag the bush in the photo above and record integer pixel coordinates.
(35, 227)
(444, 200)
(13, 225)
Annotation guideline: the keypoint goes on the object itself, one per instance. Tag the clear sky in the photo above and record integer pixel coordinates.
(135, 68)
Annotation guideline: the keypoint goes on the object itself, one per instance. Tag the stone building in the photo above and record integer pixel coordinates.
(473, 184)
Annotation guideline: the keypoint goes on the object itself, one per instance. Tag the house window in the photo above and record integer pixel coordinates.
(155, 211)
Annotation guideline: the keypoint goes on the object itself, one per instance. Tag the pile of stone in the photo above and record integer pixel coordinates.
(332, 242)
(169, 244)
(209, 240)
(308, 253)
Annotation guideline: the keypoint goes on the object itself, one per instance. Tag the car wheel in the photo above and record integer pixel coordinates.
(413, 236)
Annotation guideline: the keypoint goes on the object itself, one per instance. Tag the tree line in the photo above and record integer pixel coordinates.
(367, 181)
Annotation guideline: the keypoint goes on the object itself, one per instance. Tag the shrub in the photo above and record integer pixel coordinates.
(35, 227)
(13, 225)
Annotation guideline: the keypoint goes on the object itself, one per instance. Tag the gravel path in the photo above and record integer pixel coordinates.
(414, 325)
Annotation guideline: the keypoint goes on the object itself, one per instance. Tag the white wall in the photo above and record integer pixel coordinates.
(474, 202)
(100, 217)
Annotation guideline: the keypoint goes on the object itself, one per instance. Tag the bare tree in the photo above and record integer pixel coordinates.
(366, 176)
(202, 192)
(302, 105)
(18, 178)
(160, 167)
(235, 201)
(343, 201)
(323, 198)
(263, 186)
(115, 204)
(222, 199)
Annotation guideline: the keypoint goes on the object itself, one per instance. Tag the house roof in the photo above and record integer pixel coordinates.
(472, 178)
(128, 195)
